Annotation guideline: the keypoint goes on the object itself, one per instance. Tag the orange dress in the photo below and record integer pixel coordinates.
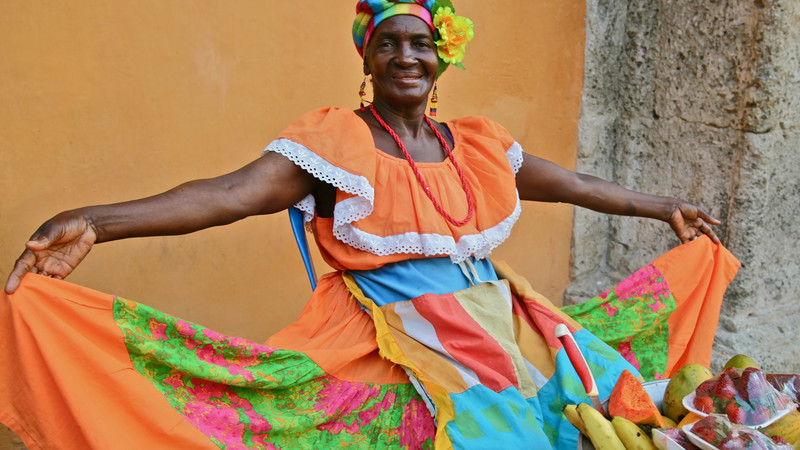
(105, 372)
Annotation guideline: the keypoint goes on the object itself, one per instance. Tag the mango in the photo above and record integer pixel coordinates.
(683, 383)
(689, 419)
(741, 362)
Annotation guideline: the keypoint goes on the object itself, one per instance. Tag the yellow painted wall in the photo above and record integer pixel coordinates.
(107, 101)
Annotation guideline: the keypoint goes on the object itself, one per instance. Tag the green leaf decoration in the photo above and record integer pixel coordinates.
(442, 4)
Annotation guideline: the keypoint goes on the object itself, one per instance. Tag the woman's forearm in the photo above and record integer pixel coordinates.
(542, 180)
(605, 197)
(268, 185)
(192, 206)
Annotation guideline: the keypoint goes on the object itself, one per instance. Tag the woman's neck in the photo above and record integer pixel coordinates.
(404, 121)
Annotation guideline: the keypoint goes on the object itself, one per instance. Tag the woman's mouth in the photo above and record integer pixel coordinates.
(407, 78)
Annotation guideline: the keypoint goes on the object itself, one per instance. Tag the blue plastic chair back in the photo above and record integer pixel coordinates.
(299, 231)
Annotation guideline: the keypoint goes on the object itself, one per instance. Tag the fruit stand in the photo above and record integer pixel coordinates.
(739, 408)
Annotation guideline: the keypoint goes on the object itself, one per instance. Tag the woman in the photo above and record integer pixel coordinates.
(415, 323)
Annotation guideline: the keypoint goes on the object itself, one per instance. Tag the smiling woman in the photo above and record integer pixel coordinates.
(416, 339)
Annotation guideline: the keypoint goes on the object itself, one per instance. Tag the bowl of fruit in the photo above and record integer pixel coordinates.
(740, 407)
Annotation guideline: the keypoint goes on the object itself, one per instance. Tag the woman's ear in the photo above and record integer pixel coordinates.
(366, 67)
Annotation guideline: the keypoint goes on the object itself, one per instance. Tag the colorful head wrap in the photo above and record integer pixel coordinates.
(451, 32)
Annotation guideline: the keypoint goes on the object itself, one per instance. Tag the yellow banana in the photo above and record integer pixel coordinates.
(787, 427)
(571, 413)
(631, 435)
(599, 429)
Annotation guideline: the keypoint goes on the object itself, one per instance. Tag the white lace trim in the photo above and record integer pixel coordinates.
(514, 155)
(479, 245)
(354, 208)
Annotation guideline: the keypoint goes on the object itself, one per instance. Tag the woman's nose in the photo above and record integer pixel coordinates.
(405, 54)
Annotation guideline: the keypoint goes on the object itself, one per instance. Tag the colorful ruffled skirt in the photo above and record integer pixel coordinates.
(82, 369)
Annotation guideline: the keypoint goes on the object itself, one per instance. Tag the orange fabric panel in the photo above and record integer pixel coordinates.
(698, 273)
(339, 336)
(64, 363)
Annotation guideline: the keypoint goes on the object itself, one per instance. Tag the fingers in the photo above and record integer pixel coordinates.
(700, 227)
(702, 215)
(38, 243)
(706, 229)
(24, 264)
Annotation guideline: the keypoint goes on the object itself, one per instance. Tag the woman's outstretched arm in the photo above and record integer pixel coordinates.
(542, 180)
(269, 184)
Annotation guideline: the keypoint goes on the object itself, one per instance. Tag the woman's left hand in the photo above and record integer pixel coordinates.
(689, 221)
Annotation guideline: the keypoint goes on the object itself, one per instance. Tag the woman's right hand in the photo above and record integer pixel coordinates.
(55, 249)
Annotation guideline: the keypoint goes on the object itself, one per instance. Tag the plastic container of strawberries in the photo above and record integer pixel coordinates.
(715, 431)
(745, 397)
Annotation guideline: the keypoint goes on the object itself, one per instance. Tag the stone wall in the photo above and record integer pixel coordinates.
(699, 99)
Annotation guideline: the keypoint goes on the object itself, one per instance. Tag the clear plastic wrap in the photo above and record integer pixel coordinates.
(672, 439)
(745, 397)
(788, 384)
(715, 431)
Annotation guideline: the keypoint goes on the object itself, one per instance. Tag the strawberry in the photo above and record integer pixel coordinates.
(724, 389)
(705, 388)
(735, 413)
(751, 384)
(732, 372)
(704, 404)
(779, 440)
(707, 434)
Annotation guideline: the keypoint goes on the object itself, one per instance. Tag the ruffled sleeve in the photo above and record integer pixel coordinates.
(329, 144)
(488, 134)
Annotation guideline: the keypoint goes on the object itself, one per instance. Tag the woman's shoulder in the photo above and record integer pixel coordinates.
(323, 118)
(481, 128)
(478, 125)
(328, 129)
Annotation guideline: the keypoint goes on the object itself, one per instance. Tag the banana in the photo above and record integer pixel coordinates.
(571, 413)
(631, 435)
(599, 429)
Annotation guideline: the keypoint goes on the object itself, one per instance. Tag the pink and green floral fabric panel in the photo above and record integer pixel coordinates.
(632, 317)
(245, 395)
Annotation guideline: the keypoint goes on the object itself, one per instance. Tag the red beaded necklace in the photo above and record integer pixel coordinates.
(436, 204)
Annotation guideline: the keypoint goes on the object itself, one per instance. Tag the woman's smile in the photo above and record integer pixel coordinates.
(407, 79)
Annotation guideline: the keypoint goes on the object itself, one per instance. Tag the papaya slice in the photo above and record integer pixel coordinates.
(630, 400)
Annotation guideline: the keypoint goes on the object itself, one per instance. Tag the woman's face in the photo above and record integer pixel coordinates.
(401, 57)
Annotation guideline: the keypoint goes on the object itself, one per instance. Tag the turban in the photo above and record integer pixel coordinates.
(370, 13)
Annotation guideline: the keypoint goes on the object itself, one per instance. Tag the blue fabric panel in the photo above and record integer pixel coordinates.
(488, 419)
(409, 279)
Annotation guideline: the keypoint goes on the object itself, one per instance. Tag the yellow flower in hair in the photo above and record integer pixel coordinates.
(454, 33)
